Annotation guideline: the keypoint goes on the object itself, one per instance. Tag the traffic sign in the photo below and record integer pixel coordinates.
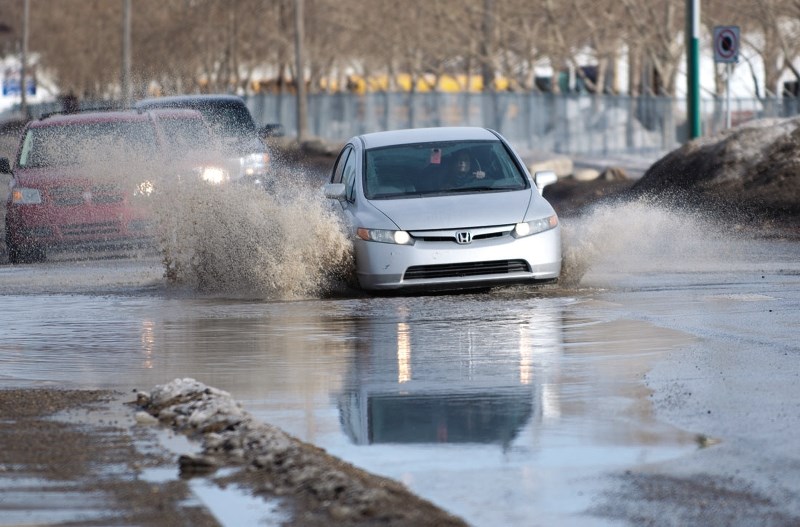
(726, 44)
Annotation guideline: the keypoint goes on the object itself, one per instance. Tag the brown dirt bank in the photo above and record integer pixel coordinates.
(746, 179)
(76, 448)
(88, 444)
(749, 175)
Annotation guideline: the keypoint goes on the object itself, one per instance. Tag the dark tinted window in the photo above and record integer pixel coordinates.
(228, 118)
(186, 134)
(434, 168)
(338, 170)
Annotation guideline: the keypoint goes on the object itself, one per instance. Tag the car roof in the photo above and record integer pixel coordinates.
(105, 116)
(187, 100)
(427, 135)
(99, 116)
(188, 113)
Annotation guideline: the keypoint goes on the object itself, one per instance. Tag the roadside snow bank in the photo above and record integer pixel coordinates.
(326, 490)
(756, 165)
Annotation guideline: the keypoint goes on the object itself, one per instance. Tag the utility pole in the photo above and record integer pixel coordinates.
(487, 46)
(126, 53)
(23, 72)
(693, 67)
(299, 75)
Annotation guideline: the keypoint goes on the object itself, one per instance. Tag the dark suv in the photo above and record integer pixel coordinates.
(81, 181)
(232, 122)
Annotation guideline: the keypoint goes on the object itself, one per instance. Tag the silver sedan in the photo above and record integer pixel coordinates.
(444, 208)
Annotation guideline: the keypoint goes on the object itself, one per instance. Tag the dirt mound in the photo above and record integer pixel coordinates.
(571, 197)
(755, 168)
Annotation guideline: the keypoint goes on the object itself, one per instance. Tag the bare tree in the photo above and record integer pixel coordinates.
(226, 45)
(657, 29)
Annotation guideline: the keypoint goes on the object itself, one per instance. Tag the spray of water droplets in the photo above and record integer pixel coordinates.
(643, 235)
(240, 240)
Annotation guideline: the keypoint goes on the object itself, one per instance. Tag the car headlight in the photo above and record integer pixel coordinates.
(253, 164)
(528, 228)
(213, 175)
(145, 188)
(26, 196)
(385, 236)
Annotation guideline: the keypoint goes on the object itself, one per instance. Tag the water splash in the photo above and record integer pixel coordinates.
(643, 235)
(239, 239)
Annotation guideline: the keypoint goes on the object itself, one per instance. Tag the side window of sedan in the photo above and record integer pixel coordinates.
(350, 177)
(338, 169)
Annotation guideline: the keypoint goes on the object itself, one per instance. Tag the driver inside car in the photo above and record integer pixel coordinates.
(464, 170)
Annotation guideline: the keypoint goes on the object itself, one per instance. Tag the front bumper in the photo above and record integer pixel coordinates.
(435, 265)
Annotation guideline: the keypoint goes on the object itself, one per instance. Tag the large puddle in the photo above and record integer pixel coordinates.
(498, 407)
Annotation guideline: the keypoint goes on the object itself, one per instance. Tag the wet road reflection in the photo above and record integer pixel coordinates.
(496, 406)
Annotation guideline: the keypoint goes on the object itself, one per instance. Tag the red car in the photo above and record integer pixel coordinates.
(76, 177)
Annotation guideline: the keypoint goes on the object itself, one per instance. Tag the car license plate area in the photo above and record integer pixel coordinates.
(88, 230)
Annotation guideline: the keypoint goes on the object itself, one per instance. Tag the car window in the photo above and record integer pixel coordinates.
(186, 134)
(226, 118)
(76, 143)
(441, 168)
(229, 119)
(349, 177)
(338, 169)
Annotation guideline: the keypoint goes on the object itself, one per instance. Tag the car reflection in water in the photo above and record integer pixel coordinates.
(404, 388)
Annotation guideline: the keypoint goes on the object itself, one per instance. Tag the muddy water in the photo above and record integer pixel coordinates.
(510, 398)
(500, 407)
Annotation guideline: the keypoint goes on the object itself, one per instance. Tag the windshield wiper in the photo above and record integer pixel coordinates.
(475, 189)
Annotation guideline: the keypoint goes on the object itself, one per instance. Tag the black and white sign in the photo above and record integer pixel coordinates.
(726, 44)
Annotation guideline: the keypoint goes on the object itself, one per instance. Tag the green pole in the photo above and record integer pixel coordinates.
(693, 67)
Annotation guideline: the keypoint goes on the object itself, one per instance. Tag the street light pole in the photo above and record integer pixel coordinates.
(23, 72)
(126, 52)
(299, 70)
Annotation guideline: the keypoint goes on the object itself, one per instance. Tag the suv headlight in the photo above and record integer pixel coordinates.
(213, 174)
(25, 196)
(385, 236)
(145, 188)
(253, 164)
(528, 228)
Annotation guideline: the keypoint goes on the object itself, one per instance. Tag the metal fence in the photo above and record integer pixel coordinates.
(568, 124)
(581, 124)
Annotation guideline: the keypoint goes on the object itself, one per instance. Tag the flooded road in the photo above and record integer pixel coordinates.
(516, 406)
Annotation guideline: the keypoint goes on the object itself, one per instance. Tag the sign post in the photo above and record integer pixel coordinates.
(726, 51)
(693, 67)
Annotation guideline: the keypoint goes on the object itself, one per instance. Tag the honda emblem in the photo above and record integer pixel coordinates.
(463, 237)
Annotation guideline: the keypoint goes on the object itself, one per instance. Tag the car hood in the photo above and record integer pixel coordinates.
(454, 212)
(134, 171)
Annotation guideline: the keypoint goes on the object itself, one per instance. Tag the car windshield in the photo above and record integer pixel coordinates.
(85, 143)
(440, 168)
(186, 134)
(229, 119)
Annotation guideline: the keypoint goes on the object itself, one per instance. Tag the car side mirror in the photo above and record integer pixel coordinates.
(335, 191)
(271, 130)
(5, 166)
(544, 178)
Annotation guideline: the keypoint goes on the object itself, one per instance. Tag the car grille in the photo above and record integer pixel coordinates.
(104, 194)
(452, 237)
(92, 229)
(70, 196)
(422, 272)
(66, 196)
